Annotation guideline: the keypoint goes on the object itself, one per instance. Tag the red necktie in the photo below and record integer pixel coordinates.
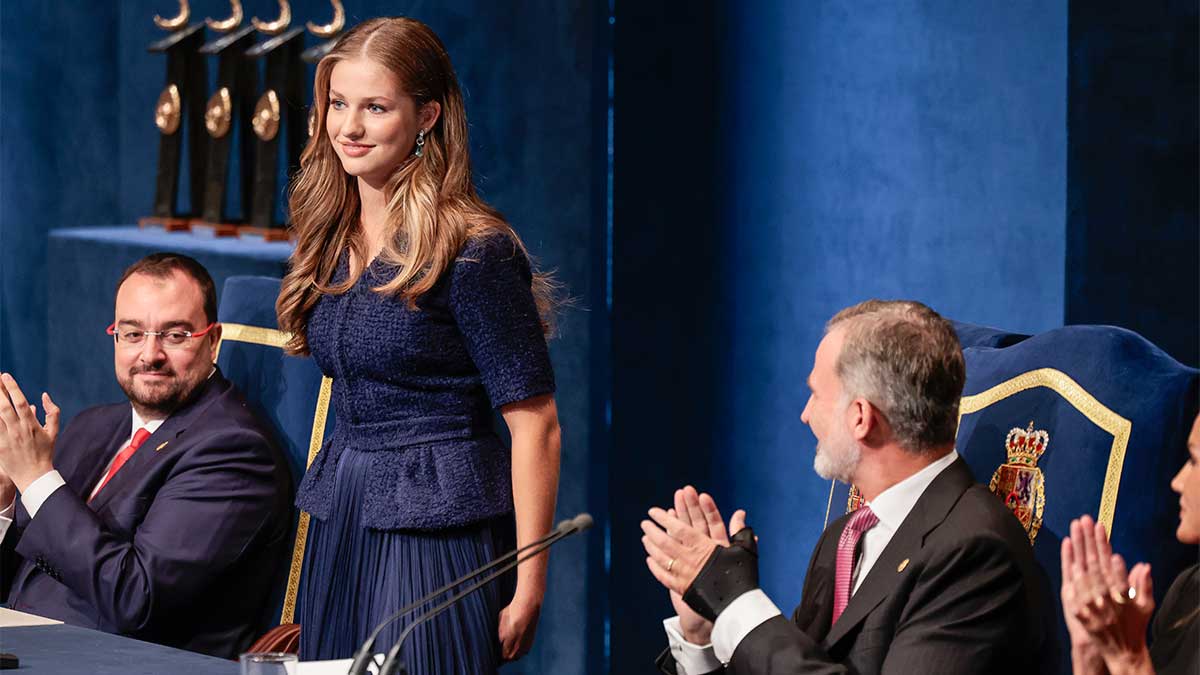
(862, 520)
(122, 457)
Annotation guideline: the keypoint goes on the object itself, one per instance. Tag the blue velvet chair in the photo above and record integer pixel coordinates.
(288, 391)
(1081, 419)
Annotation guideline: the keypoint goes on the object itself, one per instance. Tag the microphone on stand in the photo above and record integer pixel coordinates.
(364, 655)
(393, 665)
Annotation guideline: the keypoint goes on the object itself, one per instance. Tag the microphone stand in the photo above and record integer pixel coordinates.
(393, 665)
(363, 656)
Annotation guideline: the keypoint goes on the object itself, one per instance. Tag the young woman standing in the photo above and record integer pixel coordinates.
(419, 300)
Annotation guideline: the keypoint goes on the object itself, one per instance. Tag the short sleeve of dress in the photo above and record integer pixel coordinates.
(491, 299)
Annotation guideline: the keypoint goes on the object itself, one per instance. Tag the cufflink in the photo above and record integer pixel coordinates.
(903, 564)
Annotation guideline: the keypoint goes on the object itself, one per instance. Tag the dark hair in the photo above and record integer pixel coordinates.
(905, 359)
(163, 265)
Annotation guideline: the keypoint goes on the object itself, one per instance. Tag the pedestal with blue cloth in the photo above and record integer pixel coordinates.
(83, 267)
(1077, 420)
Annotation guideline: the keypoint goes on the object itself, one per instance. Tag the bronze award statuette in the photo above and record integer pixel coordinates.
(227, 123)
(179, 116)
(328, 33)
(278, 115)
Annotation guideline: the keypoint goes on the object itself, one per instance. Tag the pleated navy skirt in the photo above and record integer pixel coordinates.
(354, 577)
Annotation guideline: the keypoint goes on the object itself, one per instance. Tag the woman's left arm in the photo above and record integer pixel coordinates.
(536, 441)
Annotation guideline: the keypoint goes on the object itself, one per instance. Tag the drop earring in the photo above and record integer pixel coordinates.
(420, 143)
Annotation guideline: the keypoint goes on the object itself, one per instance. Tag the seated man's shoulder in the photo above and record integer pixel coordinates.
(231, 421)
(987, 514)
(980, 523)
(232, 406)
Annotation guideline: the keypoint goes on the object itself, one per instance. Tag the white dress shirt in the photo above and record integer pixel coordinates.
(752, 608)
(40, 489)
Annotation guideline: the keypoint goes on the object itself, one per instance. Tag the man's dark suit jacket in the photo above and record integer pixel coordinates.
(956, 590)
(183, 544)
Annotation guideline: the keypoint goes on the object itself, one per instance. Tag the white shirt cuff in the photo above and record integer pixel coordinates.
(741, 616)
(690, 659)
(6, 517)
(40, 490)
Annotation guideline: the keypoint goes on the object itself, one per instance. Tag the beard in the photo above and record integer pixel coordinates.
(163, 396)
(837, 459)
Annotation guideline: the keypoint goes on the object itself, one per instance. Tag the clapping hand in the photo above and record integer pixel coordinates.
(1106, 607)
(691, 530)
(26, 445)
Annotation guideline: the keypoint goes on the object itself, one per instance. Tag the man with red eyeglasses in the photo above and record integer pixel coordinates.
(165, 517)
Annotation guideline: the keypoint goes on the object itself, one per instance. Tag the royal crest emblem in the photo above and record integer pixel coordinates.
(1019, 482)
(854, 501)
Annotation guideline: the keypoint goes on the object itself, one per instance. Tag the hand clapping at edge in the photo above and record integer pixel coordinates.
(1106, 608)
(26, 445)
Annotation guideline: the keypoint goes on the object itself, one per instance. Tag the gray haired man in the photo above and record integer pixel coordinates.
(931, 575)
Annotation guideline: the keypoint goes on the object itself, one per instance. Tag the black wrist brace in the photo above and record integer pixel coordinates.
(729, 572)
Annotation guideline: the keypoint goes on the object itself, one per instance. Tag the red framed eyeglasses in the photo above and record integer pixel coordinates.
(172, 337)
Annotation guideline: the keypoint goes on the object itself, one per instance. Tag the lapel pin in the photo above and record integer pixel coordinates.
(164, 444)
(903, 564)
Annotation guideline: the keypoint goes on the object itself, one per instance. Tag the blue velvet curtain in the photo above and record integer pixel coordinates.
(771, 162)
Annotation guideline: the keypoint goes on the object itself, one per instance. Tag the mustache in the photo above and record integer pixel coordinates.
(161, 369)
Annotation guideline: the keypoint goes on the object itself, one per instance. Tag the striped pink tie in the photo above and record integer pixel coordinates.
(862, 520)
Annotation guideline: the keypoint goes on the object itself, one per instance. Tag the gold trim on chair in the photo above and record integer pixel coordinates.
(271, 337)
(314, 446)
(238, 332)
(1091, 408)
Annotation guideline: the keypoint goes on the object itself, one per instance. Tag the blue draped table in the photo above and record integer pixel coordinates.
(70, 650)
(83, 266)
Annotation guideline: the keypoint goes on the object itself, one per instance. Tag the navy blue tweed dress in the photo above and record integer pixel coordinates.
(413, 488)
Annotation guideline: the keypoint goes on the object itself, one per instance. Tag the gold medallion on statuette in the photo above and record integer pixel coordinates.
(266, 116)
(167, 111)
(218, 113)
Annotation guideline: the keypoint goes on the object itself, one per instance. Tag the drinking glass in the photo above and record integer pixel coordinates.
(268, 663)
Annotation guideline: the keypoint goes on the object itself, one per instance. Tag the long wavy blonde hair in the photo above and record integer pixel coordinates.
(432, 205)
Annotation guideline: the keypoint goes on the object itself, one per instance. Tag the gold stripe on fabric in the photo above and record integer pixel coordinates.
(258, 335)
(319, 419)
(288, 615)
(316, 439)
(1091, 408)
(240, 332)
